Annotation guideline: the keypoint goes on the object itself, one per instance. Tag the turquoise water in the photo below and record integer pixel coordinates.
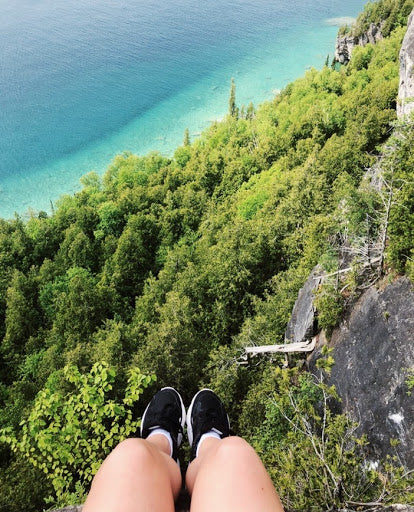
(82, 81)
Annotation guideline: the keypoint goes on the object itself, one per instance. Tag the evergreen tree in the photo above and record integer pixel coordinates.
(233, 110)
(186, 141)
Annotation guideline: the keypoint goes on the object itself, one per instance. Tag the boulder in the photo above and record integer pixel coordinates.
(406, 88)
(374, 353)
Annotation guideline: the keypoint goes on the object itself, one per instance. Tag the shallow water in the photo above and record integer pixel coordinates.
(81, 81)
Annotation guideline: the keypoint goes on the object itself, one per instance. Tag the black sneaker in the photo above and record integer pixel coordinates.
(206, 412)
(166, 410)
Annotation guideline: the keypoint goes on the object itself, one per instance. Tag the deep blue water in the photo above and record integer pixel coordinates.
(81, 81)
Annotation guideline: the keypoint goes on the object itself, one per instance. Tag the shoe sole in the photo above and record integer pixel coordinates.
(183, 415)
(190, 410)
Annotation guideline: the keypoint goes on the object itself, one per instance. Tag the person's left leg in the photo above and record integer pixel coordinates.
(142, 475)
(226, 474)
(138, 476)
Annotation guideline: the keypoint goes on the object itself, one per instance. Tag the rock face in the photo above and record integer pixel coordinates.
(373, 352)
(406, 89)
(345, 44)
(301, 326)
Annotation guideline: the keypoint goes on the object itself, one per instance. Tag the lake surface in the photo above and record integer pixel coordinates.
(81, 81)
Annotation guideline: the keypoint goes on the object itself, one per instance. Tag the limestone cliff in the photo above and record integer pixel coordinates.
(302, 325)
(406, 89)
(346, 43)
(374, 356)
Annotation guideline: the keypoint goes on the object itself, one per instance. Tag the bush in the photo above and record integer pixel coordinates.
(329, 305)
(313, 454)
(68, 433)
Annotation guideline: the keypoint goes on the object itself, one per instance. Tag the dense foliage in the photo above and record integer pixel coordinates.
(387, 14)
(314, 454)
(69, 432)
(173, 265)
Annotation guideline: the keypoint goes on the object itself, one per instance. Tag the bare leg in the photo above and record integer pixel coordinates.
(138, 476)
(228, 476)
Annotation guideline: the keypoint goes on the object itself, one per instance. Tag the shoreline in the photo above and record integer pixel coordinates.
(195, 108)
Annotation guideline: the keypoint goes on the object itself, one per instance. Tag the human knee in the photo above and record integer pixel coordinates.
(234, 447)
(132, 452)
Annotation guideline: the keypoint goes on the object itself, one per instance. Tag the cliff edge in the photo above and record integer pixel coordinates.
(405, 103)
(374, 361)
(346, 43)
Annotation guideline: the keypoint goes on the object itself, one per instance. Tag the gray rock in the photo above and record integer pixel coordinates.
(406, 89)
(373, 351)
(301, 326)
(345, 44)
(398, 508)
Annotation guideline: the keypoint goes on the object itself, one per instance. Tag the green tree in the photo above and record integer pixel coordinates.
(233, 110)
(186, 141)
(77, 249)
(134, 257)
(174, 350)
(22, 318)
(76, 304)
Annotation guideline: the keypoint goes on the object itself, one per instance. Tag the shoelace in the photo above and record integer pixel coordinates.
(168, 424)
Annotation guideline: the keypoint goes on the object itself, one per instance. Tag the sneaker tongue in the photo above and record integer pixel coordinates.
(168, 424)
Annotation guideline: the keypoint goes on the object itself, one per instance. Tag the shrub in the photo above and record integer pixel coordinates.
(68, 433)
(313, 454)
(329, 305)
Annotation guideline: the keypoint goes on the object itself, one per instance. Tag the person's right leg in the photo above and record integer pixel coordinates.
(138, 476)
(142, 475)
(226, 474)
